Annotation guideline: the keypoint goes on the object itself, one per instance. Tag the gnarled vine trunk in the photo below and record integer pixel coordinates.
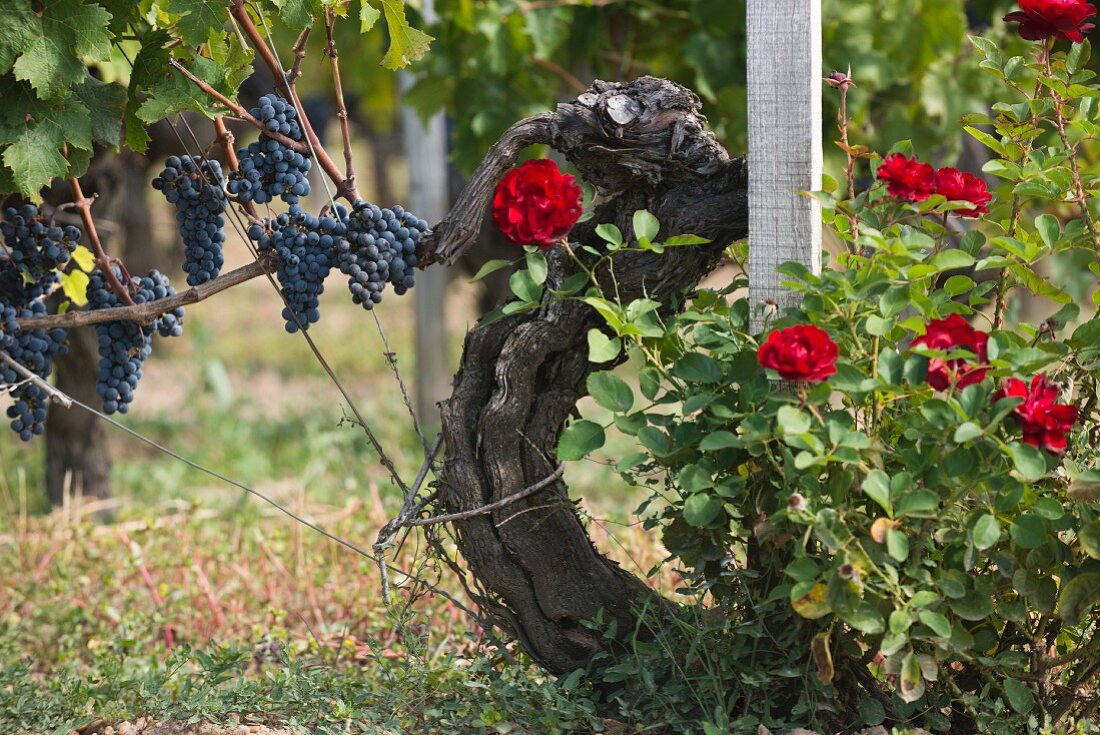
(644, 146)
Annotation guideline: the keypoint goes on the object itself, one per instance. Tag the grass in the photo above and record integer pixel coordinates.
(194, 601)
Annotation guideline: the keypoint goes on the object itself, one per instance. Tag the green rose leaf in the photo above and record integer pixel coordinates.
(580, 438)
(700, 509)
(986, 531)
(1078, 597)
(611, 392)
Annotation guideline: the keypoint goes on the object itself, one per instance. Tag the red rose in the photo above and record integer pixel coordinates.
(1043, 420)
(954, 333)
(906, 178)
(536, 204)
(803, 352)
(956, 185)
(1064, 19)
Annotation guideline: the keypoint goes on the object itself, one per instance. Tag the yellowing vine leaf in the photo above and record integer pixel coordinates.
(368, 16)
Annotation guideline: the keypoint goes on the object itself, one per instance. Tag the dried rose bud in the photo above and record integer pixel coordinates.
(880, 527)
(796, 502)
(848, 572)
(839, 79)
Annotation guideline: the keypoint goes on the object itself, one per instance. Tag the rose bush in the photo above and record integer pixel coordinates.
(909, 533)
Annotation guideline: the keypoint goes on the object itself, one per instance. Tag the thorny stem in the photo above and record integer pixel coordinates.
(344, 188)
(1078, 186)
(239, 111)
(850, 170)
(341, 108)
(84, 205)
(1004, 283)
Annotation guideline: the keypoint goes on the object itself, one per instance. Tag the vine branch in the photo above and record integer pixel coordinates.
(341, 108)
(299, 54)
(84, 206)
(150, 310)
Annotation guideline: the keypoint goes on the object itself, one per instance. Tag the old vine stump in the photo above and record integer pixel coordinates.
(644, 145)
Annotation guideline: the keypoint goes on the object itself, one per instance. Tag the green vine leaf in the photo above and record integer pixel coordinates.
(67, 32)
(407, 44)
(298, 14)
(198, 18)
(105, 103)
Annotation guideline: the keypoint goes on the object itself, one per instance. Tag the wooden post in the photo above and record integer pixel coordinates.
(425, 146)
(784, 109)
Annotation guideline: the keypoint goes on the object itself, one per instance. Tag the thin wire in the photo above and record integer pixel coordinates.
(282, 509)
(391, 360)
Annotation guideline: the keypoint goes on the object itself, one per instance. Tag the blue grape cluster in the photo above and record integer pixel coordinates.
(32, 250)
(34, 349)
(193, 185)
(380, 248)
(268, 169)
(125, 345)
(305, 245)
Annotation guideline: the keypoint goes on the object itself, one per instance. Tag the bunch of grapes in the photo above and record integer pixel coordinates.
(380, 248)
(34, 349)
(125, 345)
(305, 245)
(33, 250)
(193, 185)
(268, 169)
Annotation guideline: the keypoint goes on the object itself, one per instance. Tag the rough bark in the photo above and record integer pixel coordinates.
(644, 145)
(77, 458)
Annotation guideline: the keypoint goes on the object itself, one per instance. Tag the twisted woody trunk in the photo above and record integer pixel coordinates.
(644, 146)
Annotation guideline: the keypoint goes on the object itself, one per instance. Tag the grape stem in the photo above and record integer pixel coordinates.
(225, 138)
(296, 145)
(84, 205)
(150, 310)
(341, 107)
(344, 187)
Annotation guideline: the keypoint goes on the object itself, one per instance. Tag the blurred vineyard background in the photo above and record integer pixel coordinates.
(170, 597)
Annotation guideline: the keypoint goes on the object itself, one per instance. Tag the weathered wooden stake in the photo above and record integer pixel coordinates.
(784, 111)
(426, 150)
